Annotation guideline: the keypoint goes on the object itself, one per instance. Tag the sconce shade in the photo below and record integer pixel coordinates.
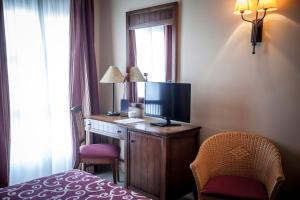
(135, 75)
(242, 6)
(245, 6)
(268, 5)
(112, 75)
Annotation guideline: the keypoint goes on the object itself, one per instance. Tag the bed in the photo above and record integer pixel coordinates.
(71, 185)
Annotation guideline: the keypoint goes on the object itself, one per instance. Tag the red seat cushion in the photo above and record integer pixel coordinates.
(99, 151)
(235, 187)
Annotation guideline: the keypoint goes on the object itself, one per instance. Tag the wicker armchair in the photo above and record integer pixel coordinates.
(238, 154)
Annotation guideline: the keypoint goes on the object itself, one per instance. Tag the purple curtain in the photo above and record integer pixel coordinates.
(132, 91)
(4, 107)
(83, 71)
(168, 42)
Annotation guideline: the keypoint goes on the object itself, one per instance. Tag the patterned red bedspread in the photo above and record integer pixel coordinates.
(71, 185)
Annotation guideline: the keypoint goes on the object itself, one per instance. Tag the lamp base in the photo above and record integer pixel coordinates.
(110, 113)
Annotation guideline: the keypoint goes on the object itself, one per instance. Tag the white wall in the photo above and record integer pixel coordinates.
(231, 88)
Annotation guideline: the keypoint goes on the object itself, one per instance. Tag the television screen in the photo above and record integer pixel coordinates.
(170, 101)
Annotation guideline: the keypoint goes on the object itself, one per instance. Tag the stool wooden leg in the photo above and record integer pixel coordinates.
(113, 166)
(117, 170)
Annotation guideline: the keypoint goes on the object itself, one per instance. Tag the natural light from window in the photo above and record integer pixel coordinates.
(151, 55)
(38, 67)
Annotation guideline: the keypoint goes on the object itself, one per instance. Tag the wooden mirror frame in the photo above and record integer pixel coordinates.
(166, 14)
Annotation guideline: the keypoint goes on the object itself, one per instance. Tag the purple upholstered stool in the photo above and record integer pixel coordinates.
(95, 151)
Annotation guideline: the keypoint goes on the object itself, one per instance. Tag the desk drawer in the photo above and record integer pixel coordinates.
(105, 128)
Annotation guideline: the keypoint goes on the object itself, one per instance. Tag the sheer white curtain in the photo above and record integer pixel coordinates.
(151, 54)
(37, 34)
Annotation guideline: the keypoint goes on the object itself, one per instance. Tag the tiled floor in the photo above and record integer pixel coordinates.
(108, 176)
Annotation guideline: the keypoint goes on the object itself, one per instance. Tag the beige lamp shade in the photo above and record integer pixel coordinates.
(112, 75)
(243, 6)
(135, 75)
(268, 5)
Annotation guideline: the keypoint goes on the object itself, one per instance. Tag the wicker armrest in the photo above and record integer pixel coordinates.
(273, 176)
(203, 165)
(201, 174)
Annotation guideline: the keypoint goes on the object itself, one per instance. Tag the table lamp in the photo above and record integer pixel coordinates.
(112, 75)
(135, 75)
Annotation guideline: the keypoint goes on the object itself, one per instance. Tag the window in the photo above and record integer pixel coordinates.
(37, 38)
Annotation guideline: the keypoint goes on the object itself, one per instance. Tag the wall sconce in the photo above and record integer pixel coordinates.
(260, 7)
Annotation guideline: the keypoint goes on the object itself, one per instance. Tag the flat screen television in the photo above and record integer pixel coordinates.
(170, 101)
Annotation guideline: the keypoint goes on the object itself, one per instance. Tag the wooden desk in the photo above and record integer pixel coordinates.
(157, 159)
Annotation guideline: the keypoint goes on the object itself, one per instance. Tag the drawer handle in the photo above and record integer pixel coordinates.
(119, 131)
(132, 141)
(87, 127)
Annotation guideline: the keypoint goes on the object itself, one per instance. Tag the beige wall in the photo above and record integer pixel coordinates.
(231, 88)
(103, 47)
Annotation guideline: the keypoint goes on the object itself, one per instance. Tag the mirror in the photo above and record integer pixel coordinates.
(152, 45)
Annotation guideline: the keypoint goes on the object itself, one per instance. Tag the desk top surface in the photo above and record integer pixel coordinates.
(146, 126)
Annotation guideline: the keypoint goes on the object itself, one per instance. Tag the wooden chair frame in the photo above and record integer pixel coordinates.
(81, 140)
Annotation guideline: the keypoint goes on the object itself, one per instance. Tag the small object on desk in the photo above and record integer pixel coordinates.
(112, 113)
(135, 110)
(129, 120)
(132, 114)
(168, 122)
(124, 107)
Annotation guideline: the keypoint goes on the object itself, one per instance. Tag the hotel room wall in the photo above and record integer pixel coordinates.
(231, 88)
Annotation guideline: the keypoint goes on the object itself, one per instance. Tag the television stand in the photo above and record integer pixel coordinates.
(169, 151)
(166, 123)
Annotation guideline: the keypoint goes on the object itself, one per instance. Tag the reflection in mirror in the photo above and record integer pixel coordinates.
(151, 55)
(152, 45)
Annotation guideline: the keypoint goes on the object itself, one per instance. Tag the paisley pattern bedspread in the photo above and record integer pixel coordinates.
(71, 185)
